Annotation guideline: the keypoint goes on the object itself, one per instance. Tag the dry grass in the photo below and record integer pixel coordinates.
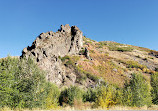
(103, 66)
(104, 61)
(153, 107)
(87, 106)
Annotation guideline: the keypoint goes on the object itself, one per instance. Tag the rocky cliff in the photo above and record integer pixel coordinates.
(49, 46)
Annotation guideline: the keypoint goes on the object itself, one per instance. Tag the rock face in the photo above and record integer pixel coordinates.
(48, 46)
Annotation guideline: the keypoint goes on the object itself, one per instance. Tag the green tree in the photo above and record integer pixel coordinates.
(154, 84)
(8, 68)
(137, 92)
(23, 85)
(29, 79)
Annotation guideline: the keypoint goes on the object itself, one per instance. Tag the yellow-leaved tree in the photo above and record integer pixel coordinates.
(106, 96)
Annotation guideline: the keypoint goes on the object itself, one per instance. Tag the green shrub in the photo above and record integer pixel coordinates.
(154, 84)
(90, 95)
(70, 94)
(121, 49)
(138, 56)
(92, 77)
(83, 75)
(70, 61)
(137, 92)
(134, 64)
(63, 59)
(82, 51)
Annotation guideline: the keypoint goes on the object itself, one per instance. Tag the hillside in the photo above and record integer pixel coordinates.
(62, 55)
(116, 62)
(66, 69)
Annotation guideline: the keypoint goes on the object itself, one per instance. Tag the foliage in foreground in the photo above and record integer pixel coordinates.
(23, 85)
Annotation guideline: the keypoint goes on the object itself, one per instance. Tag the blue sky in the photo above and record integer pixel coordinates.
(132, 22)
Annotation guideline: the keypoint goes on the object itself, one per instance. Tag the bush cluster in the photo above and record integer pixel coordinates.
(70, 94)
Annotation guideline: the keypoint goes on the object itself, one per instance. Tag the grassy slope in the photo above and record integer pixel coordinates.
(114, 62)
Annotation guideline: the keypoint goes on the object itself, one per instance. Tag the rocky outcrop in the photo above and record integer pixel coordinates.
(86, 53)
(67, 41)
(47, 48)
(154, 53)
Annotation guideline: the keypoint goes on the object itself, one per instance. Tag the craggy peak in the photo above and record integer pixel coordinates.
(49, 46)
(66, 41)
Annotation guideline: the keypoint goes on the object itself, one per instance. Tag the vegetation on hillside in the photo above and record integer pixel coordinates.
(113, 46)
(120, 73)
(23, 85)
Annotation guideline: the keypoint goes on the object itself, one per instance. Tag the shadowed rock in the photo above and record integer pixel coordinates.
(86, 53)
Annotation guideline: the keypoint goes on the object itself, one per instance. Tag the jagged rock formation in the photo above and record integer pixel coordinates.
(67, 41)
(47, 48)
